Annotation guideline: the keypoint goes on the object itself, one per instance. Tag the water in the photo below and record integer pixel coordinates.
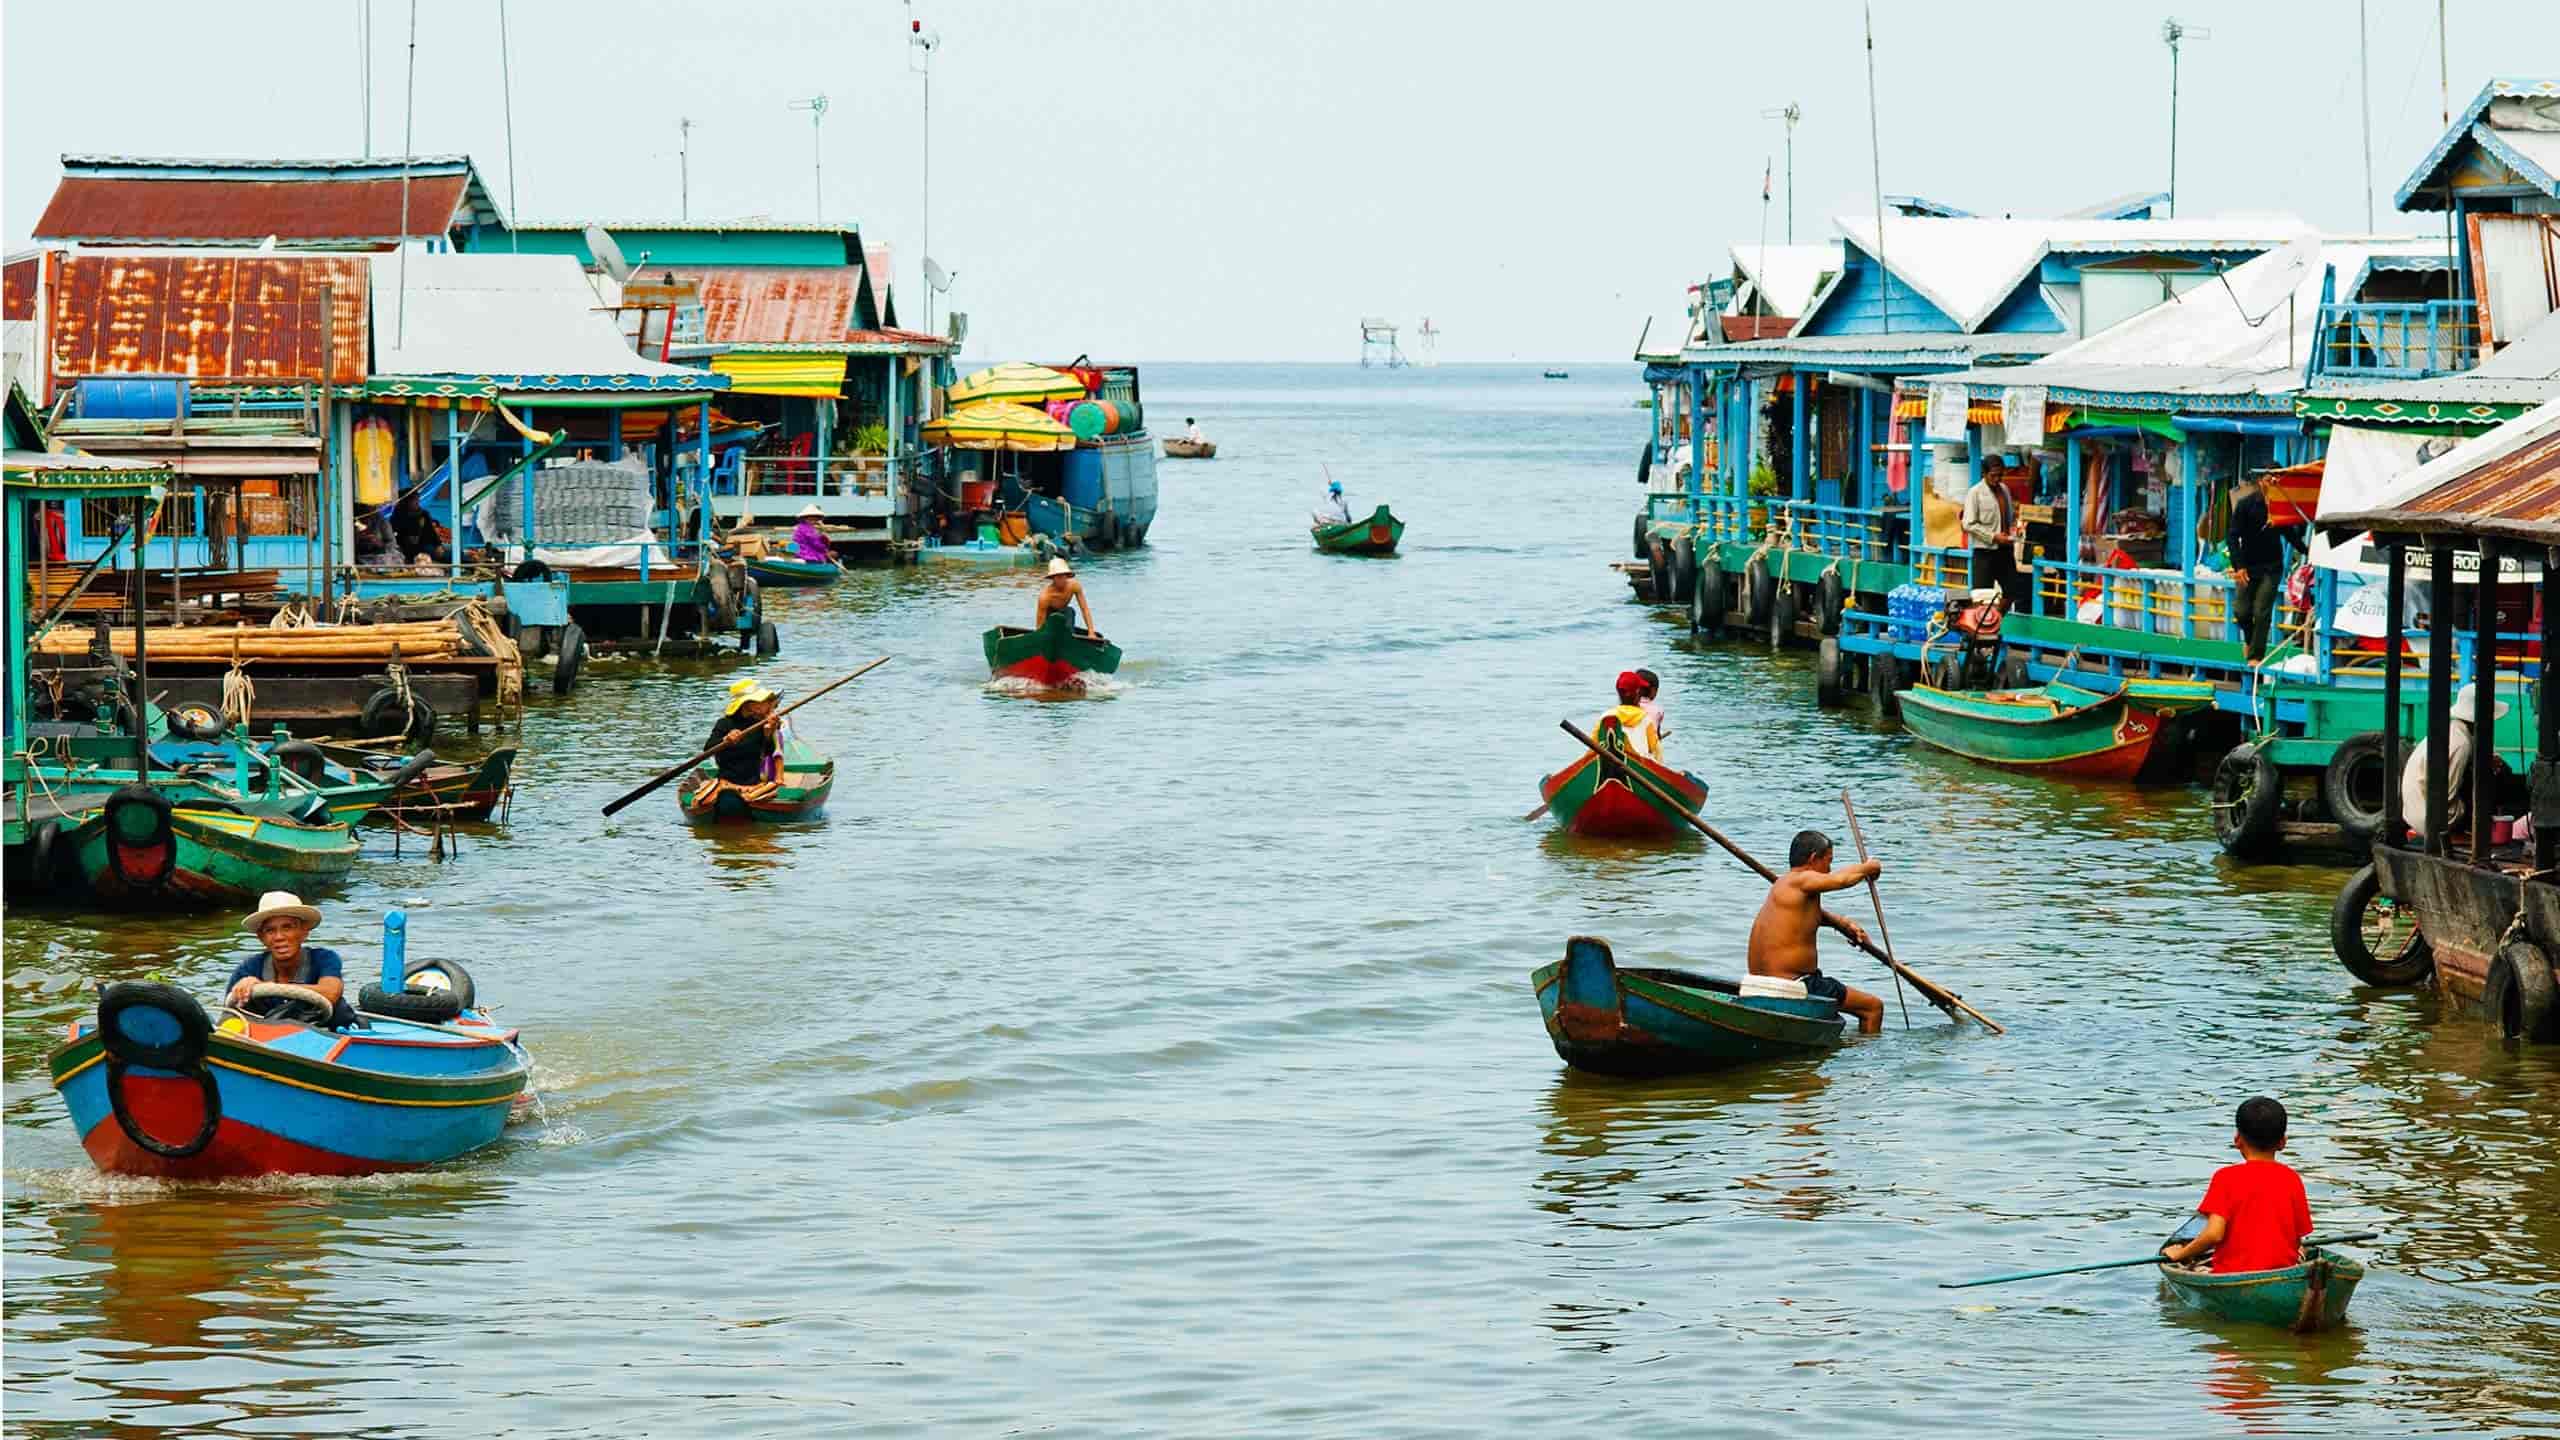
(1165, 1062)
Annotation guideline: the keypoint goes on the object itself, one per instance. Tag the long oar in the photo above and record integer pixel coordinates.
(667, 775)
(1930, 990)
(1876, 895)
(2151, 1259)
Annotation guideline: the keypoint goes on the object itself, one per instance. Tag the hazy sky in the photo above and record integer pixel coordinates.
(1153, 180)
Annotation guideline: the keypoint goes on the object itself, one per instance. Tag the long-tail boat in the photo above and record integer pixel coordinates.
(1376, 535)
(2058, 728)
(775, 569)
(1637, 1022)
(797, 791)
(2307, 1296)
(1593, 796)
(157, 1086)
(148, 845)
(1055, 656)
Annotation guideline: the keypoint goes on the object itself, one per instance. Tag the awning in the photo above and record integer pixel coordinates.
(1018, 382)
(1980, 412)
(2366, 469)
(995, 425)
(816, 377)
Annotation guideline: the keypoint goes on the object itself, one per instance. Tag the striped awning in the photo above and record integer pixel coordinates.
(1980, 412)
(995, 425)
(757, 372)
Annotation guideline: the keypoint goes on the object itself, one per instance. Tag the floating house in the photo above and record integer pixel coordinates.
(826, 395)
(374, 204)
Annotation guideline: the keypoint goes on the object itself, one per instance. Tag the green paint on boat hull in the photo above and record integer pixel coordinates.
(227, 858)
(1377, 535)
(2273, 1297)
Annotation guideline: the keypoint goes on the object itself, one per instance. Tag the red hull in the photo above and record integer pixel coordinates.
(1616, 812)
(2122, 763)
(1046, 673)
(173, 1110)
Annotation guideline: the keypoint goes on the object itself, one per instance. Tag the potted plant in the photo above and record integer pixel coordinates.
(1764, 483)
(871, 439)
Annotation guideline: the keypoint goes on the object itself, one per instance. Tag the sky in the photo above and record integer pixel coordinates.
(1151, 180)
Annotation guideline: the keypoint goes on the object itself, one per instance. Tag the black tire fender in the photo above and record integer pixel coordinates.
(427, 1007)
(2013, 672)
(302, 758)
(768, 640)
(195, 722)
(123, 839)
(572, 659)
(2411, 963)
(1644, 527)
(1684, 567)
(1828, 691)
(1831, 600)
(724, 597)
(2521, 999)
(1707, 601)
(1759, 592)
(190, 1028)
(1784, 608)
(2346, 784)
(2248, 798)
(383, 716)
(1662, 575)
(445, 975)
(1884, 683)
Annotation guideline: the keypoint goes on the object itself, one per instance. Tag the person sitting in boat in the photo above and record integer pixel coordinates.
(1652, 703)
(282, 924)
(1782, 935)
(1192, 434)
(808, 542)
(2457, 768)
(1063, 591)
(418, 536)
(2256, 1213)
(1631, 716)
(746, 740)
(1333, 509)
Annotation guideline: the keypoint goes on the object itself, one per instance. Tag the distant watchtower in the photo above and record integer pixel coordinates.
(1378, 344)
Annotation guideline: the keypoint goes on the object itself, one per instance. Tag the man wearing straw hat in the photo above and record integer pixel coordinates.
(282, 923)
(1063, 591)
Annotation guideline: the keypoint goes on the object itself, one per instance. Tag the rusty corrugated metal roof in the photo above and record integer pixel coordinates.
(2519, 488)
(219, 315)
(98, 209)
(770, 305)
(18, 288)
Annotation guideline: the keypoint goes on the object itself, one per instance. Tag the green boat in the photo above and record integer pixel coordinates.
(1376, 535)
(799, 790)
(2305, 1297)
(791, 570)
(2058, 729)
(1055, 656)
(1631, 1022)
(142, 844)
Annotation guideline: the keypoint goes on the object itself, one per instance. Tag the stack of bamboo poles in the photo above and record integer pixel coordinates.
(417, 640)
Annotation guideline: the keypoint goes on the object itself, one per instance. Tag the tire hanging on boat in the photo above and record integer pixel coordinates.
(1759, 592)
(1831, 600)
(1782, 615)
(573, 658)
(2355, 783)
(1706, 598)
(456, 980)
(141, 837)
(2411, 960)
(2521, 999)
(2248, 796)
(1643, 535)
(1827, 689)
(427, 1007)
(1884, 683)
(1662, 574)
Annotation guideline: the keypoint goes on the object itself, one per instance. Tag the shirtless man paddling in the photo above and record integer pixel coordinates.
(1782, 936)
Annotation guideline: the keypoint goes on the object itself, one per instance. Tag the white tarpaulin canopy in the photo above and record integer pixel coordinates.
(2364, 472)
(505, 316)
(2436, 461)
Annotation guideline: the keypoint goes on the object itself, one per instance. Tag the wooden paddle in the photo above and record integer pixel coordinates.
(2151, 1259)
(732, 738)
(1876, 895)
(1930, 990)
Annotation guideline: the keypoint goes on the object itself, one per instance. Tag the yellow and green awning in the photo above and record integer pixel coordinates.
(760, 372)
(995, 425)
(1018, 382)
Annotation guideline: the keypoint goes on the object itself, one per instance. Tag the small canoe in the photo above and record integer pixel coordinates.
(797, 792)
(1376, 535)
(439, 789)
(2058, 729)
(2305, 1297)
(791, 570)
(1667, 1022)
(154, 848)
(1556, 374)
(1594, 797)
(1053, 657)
(157, 1086)
(1191, 449)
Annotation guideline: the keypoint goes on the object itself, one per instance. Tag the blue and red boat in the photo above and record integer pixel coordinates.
(157, 1086)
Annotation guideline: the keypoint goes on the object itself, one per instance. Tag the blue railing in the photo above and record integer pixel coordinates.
(2149, 602)
(1852, 532)
(2404, 341)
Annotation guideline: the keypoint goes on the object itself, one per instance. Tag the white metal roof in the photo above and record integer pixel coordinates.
(500, 314)
(1967, 267)
(1786, 275)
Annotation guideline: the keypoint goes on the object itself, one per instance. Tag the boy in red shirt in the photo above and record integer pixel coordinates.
(2255, 1212)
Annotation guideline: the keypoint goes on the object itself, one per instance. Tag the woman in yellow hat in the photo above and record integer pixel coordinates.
(746, 738)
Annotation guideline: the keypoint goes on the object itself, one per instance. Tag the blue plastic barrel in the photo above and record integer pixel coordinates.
(133, 398)
(1080, 478)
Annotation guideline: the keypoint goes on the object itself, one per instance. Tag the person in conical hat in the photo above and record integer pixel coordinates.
(746, 738)
(808, 542)
(1063, 591)
(283, 924)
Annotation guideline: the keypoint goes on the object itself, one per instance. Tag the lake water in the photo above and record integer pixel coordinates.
(1165, 1062)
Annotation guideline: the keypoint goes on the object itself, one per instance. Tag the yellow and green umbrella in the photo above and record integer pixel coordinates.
(1015, 381)
(995, 425)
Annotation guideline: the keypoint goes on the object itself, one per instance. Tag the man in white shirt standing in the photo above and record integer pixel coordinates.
(1991, 529)
(1333, 509)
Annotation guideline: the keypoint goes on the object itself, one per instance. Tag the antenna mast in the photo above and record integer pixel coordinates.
(684, 167)
(2173, 32)
(1791, 114)
(921, 44)
(1875, 162)
(816, 105)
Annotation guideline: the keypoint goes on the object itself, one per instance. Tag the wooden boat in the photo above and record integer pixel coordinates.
(2309, 1296)
(1593, 796)
(776, 569)
(799, 790)
(158, 1087)
(1190, 449)
(1665, 1022)
(1054, 657)
(144, 844)
(439, 789)
(1555, 374)
(1376, 535)
(2058, 729)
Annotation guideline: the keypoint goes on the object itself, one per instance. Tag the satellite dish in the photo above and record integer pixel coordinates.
(608, 254)
(935, 277)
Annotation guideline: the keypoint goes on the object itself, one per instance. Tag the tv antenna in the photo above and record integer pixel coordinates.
(2173, 34)
(1792, 113)
(816, 105)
